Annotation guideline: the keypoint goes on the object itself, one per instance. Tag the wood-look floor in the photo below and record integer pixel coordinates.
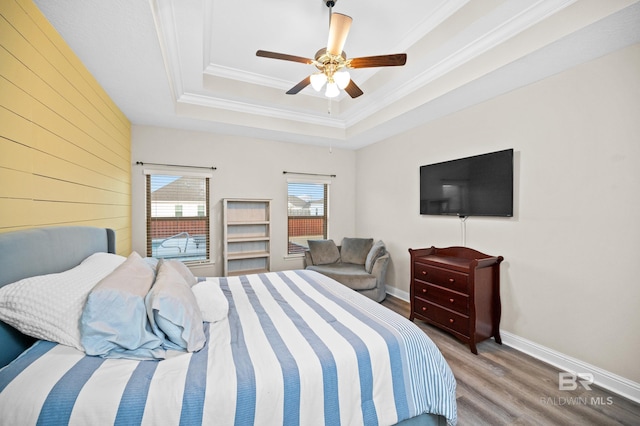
(502, 386)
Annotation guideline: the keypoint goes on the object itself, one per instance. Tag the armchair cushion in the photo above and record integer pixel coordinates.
(355, 250)
(323, 252)
(351, 275)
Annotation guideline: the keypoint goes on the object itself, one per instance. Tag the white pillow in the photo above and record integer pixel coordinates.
(49, 307)
(213, 304)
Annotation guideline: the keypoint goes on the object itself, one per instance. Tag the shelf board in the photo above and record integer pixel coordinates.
(247, 255)
(246, 239)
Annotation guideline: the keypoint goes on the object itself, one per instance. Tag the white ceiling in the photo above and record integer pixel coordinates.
(191, 63)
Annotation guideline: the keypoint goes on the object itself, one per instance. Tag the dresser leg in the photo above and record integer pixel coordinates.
(472, 346)
(497, 338)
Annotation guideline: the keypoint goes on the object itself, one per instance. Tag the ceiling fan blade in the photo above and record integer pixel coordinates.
(398, 59)
(298, 87)
(353, 90)
(283, 56)
(338, 31)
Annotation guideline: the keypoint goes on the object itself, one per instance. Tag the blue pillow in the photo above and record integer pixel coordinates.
(114, 320)
(173, 311)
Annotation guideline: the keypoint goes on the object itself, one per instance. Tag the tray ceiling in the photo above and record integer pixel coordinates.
(191, 63)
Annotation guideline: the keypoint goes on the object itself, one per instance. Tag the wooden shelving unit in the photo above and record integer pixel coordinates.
(247, 236)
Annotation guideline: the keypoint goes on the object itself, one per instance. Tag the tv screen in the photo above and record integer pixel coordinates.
(481, 185)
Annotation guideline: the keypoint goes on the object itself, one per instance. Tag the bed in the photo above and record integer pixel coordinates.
(295, 347)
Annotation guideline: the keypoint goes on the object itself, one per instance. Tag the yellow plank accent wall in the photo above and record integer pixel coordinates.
(65, 147)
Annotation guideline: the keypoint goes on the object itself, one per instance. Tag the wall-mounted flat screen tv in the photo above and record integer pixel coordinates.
(481, 185)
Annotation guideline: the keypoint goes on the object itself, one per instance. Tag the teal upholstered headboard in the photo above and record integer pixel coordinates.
(43, 251)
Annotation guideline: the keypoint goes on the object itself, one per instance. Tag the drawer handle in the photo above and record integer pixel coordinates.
(424, 272)
(424, 308)
(424, 290)
(451, 300)
(451, 280)
(451, 320)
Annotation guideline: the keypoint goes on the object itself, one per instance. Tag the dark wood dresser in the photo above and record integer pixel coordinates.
(458, 290)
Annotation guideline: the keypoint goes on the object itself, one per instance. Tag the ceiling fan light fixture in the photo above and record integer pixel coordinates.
(318, 80)
(332, 90)
(342, 79)
(332, 60)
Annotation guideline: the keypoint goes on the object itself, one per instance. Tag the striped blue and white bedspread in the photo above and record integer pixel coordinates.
(296, 348)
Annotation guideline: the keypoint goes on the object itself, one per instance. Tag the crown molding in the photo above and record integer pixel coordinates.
(246, 76)
(262, 110)
(163, 13)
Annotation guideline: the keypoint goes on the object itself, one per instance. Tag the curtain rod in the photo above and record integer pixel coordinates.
(307, 174)
(176, 165)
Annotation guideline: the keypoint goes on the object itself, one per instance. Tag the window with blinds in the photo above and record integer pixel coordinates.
(178, 217)
(307, 214)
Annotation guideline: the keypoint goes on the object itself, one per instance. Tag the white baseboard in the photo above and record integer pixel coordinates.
(402, 295)
(605, 379)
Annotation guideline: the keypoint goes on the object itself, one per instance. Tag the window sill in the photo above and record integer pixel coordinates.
(293, 256)
(200, 265)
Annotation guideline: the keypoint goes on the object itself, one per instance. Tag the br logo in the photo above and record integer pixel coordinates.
(570, 381)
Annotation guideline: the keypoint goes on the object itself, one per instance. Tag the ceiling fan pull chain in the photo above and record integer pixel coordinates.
(329, 112)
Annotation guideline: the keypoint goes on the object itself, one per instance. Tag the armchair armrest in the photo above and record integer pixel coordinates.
(379, 269)
(308, 261)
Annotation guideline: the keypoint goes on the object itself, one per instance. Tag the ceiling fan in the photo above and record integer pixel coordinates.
(332, 61)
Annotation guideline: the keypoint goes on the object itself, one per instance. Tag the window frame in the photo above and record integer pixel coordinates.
(208, 256)
(326, 216)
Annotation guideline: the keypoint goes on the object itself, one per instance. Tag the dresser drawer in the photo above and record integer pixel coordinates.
(441, 296)
(442, 277)
(445, 317)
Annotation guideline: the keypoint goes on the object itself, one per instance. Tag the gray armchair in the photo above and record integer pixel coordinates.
(357, 263)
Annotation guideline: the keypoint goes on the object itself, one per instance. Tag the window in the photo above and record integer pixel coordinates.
(178, 217)
(307, 213)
